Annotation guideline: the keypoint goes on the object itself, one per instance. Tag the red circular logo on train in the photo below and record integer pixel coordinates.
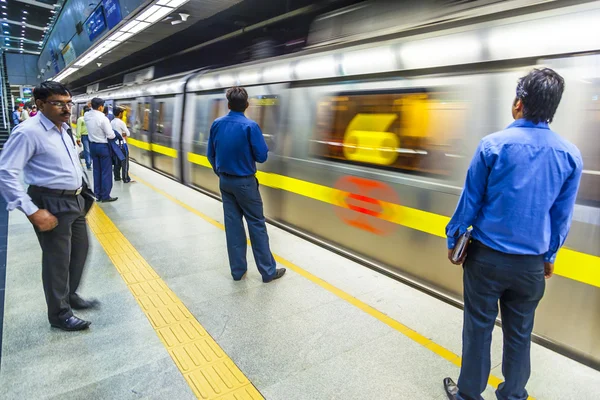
(363, 204)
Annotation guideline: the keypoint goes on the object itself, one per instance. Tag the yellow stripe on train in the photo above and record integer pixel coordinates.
(570, 264)
(157, 148)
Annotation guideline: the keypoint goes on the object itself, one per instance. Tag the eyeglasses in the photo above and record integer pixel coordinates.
(61, 104)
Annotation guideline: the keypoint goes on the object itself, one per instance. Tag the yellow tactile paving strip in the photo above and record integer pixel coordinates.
(210, 373)
(429, 344)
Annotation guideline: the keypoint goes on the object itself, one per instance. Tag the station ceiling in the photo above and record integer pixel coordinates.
(167, 42)
(25, 23)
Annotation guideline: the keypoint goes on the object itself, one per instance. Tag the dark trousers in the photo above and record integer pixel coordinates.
(64, 251)
(241, 198)
(122, 167)
(85, 141)
(102, 160)
(518, 283)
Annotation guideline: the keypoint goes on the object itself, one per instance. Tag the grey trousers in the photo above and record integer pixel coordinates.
(64, 251)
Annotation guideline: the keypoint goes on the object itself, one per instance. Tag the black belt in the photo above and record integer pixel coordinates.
(56, 192)
(235, 176)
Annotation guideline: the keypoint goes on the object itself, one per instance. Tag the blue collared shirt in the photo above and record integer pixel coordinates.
(47, 157)
(235, 145)
(520, 191)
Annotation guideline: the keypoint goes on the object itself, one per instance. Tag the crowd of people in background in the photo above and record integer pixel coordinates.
(117, 156)
(23, 112)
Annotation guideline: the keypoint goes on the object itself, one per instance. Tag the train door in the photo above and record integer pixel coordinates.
(201, 110)
(139, 123)
(165, 134)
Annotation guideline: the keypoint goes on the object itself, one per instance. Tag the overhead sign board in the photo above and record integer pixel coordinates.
(68, 53)
(112, 12)
(95, 24)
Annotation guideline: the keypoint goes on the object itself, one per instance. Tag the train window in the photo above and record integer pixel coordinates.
(218, 108)
(160, 126)
(262, 109)
(146, 117)
(265, 111)
(416, 131)
(128, 114)
(164, 116)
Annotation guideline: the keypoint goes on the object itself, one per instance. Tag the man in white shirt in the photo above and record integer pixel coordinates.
(119, 125)
(99, 132)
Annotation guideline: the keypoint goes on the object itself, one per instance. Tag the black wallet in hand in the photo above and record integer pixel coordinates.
(461, 246)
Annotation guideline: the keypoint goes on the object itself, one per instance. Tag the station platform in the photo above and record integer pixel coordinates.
(173, 324)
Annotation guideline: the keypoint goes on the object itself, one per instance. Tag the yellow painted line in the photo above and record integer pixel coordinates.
(210, 373)
(571, 264)
(389, 321)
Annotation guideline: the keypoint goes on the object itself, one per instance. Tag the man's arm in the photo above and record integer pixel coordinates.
(79, 127)
(107, 128)
(210, 150)
(471, 198)
(125, 131)
(561, 213)
(15, 155)
(259, 146)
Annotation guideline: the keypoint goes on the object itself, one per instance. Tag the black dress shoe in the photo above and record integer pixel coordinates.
(117, 179)
(72, 324)
(110, 199)
(450, 388)
(77, 303)
(279, 272)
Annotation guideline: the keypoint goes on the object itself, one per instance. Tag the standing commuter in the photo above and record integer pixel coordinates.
(44, 151)
(122, 167)
(25, 112)
(519, 196)
(99, 131)
(235, 145)
(82, 135)
(16, 116)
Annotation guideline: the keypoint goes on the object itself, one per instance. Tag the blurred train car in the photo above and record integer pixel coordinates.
(370, 138)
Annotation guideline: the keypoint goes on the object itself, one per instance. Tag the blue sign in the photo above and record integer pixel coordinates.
(95, 24)
(112, 11)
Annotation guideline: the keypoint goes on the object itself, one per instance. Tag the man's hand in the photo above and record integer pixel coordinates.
(43, 220)
(548, 269)
(459, 262)
(78, 142)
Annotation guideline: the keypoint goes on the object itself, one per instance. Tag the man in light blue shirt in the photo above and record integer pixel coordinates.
(43, 149)
(518, 197)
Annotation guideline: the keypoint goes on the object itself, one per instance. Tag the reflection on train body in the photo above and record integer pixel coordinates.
(373, 164)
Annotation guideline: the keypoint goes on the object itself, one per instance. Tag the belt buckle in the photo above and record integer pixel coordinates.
(78, 191)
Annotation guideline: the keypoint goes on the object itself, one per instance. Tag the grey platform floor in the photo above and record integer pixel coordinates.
(293, 339)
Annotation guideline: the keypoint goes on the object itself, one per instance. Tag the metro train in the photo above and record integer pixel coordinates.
(370, 139)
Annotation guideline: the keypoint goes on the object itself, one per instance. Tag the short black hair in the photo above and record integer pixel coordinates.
(97, 102)
(86, 109)
(118, 111)
(540, 92)
(49, 88)
(17, 107)
(237, 98)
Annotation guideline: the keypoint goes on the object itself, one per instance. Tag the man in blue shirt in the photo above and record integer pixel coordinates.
(235, 145)
(16, 115)
(518, 197)
(43, 149)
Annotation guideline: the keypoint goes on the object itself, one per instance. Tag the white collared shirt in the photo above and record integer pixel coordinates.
(98, 126)
(119, 126)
